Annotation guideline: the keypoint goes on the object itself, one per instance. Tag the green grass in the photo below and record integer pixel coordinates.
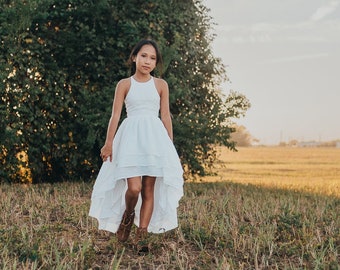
(222, 226)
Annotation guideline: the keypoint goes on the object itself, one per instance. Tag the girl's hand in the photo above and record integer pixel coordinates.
(106, 152)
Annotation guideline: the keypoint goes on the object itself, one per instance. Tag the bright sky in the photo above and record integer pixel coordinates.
(285, 57)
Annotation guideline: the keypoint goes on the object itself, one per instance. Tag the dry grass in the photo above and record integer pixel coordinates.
(315, 170)
(222, 225)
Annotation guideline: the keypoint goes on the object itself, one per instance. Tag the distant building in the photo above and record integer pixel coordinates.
(309, 144)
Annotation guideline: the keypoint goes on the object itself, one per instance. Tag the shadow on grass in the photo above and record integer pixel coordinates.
(221, 226)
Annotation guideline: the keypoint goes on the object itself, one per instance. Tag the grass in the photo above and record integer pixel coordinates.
(223, 225)
(315, 170)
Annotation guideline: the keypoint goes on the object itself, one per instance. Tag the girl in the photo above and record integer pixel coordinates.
(140, 180)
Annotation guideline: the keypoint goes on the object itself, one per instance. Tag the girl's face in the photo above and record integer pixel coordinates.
(146, 59)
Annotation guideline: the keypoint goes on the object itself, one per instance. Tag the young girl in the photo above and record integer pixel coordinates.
(140, 180)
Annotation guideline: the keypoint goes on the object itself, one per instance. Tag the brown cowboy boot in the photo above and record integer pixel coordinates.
(141, 243)
(125, 225)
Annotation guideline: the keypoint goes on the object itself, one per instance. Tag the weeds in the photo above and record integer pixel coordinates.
(221, 226)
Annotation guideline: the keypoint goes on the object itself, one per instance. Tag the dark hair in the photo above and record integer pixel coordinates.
(136, 49)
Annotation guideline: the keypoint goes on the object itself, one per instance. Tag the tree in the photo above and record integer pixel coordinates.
(59, 66)
(242, 137)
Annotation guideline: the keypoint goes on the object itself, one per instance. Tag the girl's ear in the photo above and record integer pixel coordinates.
(133, 58)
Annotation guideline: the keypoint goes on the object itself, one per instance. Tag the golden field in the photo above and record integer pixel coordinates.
(314, 170)
(266, 209)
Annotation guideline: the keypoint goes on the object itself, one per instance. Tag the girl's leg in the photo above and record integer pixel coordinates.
(132, 193)
(148, 185)
(131, 198)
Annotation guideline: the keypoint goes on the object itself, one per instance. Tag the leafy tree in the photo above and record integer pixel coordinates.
(59, 65)
(242, 137)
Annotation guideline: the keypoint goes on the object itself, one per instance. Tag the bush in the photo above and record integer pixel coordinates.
(60, 64)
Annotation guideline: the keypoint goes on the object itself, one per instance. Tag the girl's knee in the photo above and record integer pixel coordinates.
(134, 186)
(147, 193)
(135, 189)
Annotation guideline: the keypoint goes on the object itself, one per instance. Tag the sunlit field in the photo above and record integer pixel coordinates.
(272, 208)
(314, 170)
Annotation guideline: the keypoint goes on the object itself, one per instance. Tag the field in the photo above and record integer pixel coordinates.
(315, 170)
(269, 208)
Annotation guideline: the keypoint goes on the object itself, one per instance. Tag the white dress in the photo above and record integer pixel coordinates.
(141, 146)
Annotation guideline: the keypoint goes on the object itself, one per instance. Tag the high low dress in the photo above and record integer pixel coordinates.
(141, 147)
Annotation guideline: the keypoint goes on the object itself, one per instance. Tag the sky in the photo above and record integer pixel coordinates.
(284, 56)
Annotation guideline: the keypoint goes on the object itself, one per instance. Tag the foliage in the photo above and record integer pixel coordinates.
(242, 137)
(59, 65)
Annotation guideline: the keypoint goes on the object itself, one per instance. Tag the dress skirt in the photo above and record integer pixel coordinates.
(141, 147)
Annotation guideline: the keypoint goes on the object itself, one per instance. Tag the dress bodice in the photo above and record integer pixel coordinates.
(142, 99)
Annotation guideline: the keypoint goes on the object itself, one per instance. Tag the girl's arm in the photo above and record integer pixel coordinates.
(164, 107)
(117, 106)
